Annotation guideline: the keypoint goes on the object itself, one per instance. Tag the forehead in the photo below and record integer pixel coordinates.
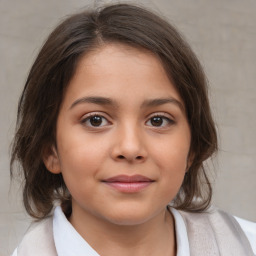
(118, 71)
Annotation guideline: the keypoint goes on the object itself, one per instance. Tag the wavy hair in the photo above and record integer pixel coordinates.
(52, 71)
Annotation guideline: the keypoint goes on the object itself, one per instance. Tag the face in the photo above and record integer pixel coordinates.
(122, 137)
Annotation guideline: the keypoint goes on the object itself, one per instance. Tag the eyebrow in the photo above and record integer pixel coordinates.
(162, 101)
(95, 100)
(107, 101)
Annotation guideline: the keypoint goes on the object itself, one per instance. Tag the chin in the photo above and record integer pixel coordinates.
(128, 221)
(130, 217)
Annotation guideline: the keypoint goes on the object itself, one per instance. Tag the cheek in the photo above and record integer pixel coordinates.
(171, 157)
(172, 177)
(77, 148)
(80, 160)
(172, 154)
(79, 167)
(173, 170)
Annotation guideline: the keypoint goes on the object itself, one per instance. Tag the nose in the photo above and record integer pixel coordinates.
(129, 145)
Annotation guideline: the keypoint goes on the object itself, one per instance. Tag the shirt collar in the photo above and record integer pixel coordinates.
(181, 234)
(69, 242)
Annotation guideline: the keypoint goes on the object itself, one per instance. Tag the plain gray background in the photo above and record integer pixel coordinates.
(221, 32)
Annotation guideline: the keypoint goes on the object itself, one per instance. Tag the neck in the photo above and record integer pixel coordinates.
(153, 237)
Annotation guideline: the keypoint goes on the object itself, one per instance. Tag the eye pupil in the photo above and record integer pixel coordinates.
(156, 121)
(96, 120)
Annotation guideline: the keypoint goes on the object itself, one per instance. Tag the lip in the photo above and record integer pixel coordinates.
(128, 184)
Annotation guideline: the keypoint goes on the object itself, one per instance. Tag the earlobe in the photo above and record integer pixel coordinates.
(51, 160)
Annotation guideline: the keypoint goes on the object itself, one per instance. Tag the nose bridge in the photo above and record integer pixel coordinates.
(129, 135)
(129, 142)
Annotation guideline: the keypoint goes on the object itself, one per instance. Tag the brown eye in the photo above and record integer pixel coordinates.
(160, 121)
(95, 120)
(156, 121)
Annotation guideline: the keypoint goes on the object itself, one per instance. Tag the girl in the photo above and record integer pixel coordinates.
(113, 127)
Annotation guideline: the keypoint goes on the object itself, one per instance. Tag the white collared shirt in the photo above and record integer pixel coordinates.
(69, 242)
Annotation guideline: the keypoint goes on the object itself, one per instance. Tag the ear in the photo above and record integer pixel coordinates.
(51, 160)
(190, 160)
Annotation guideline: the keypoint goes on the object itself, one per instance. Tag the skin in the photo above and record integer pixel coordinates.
(127, 141)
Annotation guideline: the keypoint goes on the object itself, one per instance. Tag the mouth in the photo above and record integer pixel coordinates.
(128, 184)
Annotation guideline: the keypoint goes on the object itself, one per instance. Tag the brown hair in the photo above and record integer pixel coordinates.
(52, 71)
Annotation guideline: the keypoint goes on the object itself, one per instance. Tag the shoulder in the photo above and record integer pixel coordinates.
(42, 227)
(38, 239)
(222, 226)
(14, 253)
(249, 229)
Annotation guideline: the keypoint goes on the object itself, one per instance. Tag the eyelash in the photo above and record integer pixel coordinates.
(163, 118)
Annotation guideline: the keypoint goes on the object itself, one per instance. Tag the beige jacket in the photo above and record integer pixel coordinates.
(210, 234)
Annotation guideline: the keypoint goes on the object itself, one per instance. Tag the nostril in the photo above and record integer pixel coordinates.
(123, 157)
